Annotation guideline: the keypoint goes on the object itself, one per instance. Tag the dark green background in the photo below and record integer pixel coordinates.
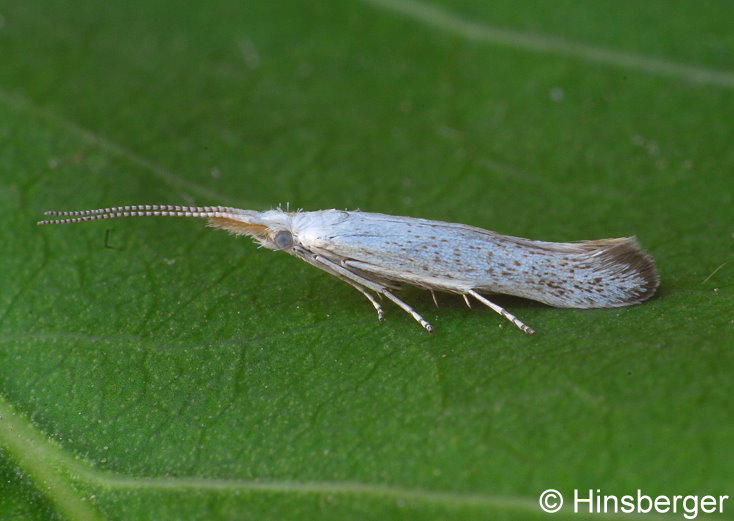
(184, 374)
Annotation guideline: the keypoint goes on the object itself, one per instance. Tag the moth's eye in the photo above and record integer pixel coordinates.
(283, 240)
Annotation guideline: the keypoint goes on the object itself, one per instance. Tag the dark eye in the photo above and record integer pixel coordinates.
(283, 240)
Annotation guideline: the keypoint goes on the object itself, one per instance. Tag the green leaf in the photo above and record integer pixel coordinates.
(157, 369)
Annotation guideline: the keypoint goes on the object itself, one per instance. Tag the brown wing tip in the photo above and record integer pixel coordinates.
(627, 254)
(642, 262)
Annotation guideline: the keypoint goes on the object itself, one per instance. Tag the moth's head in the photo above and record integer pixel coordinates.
(272, 229)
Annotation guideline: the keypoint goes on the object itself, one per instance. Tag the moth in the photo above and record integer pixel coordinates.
(377, 253)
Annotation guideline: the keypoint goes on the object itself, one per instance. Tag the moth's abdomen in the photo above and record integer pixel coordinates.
(591, 274)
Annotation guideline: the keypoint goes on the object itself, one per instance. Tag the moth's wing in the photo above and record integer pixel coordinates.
(586, 274)
(458, 258)
(400, 250)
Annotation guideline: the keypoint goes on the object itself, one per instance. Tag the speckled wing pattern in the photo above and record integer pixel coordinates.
(458, 258)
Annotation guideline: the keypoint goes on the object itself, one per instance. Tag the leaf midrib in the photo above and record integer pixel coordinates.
(54, 472)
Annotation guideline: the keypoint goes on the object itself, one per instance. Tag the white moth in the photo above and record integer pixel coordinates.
(377, 252)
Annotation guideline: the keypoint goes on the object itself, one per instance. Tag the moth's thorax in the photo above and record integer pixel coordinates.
(316, 229)
(277, 219)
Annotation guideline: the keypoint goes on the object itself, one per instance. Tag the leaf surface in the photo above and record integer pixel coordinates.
(156, 369)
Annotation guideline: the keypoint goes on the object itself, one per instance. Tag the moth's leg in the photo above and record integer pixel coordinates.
(378, 308)
(502, 311)
(433, 294)
(345, 273)
(311, 259)
(466, 299)
(412, 312)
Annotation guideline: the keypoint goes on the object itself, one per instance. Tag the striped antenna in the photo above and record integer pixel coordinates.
(143, 210)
